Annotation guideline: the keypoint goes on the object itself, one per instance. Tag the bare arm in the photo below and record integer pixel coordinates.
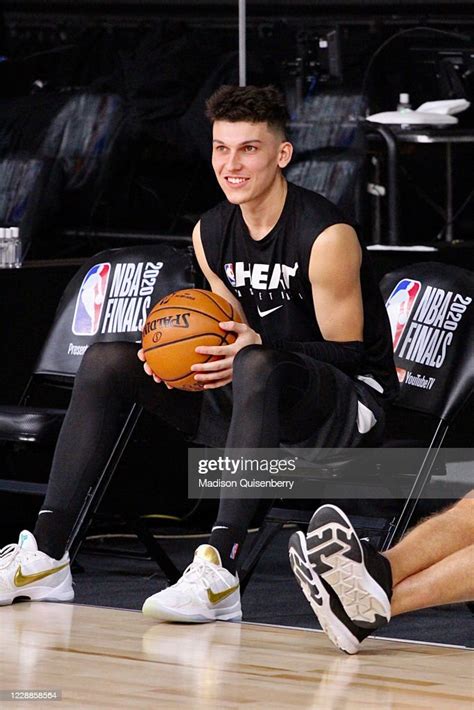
(334, 268)
(216, 284)
(334, 272)
(217, 373)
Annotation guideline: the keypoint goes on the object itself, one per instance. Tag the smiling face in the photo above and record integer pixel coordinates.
(247, 159)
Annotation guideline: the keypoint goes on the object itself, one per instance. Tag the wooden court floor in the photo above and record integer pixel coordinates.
(107, 658)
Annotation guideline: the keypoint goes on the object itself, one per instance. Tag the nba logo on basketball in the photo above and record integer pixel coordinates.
(399, 306)
(90, 300)
(229, 272)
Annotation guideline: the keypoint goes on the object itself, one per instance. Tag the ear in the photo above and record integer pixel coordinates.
(285, 153)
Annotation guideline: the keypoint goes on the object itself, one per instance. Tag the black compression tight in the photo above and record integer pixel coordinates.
(269, 389)
(109, 380)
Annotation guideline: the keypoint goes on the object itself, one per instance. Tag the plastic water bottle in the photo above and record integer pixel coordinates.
(404, 103)
(10, 248)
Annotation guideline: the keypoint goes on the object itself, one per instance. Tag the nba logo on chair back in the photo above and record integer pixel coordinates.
(90, 300)
(399, 305)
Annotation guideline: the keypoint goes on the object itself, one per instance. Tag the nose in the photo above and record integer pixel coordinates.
(233, 161)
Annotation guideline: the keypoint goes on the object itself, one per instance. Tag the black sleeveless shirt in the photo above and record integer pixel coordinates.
(270, 277)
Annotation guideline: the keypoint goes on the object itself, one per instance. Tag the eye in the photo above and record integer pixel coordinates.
(250, 148)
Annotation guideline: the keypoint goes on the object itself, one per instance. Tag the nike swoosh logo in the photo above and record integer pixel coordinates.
(215, 597)
(21, 580)
(262, 314)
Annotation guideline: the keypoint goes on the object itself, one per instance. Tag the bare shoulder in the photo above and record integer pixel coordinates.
(336, 239)
(336, 254)
(196, 236)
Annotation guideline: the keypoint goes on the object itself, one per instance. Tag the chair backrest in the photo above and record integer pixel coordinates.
(108, 300)
(330, 148)
(82, 135)
(431, 313)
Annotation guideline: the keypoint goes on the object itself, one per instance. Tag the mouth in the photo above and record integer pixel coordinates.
(235, 181)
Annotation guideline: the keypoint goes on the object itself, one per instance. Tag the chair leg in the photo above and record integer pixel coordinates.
(96, 493)
(400, 525)
(156, 551)
(267, 532)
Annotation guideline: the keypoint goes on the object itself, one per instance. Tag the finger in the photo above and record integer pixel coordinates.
(141, 355)
(233, 325)
(212, 366)
(150, 372)
(218, 350)
(213, 376)
(170, 387)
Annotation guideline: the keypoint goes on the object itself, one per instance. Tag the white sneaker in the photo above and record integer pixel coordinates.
(206, 592)
(28, 573)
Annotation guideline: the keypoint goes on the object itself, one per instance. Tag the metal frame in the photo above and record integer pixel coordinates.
(398, 529)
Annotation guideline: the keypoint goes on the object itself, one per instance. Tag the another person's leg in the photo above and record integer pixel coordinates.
(448, 581)
(429, 567)
(433, 563)
(433, 539)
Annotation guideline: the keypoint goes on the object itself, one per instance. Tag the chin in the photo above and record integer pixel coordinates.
(233, 198)
(236, 199)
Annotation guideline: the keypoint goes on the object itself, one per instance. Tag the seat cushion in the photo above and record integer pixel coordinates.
(34, 424)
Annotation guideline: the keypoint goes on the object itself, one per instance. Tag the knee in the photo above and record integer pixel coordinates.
(253, 364)
(102, 360)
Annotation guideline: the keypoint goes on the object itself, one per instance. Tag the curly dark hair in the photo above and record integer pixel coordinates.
(255, 104)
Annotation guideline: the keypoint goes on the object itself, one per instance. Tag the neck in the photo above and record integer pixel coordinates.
(261, 215)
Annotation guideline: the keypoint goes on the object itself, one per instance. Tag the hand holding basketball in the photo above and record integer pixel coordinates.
(147, 368)
(217, 373)
(174, 328)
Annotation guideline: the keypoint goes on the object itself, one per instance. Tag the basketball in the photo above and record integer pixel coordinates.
(177, 325)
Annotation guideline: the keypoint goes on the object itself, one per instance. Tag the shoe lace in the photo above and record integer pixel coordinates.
(201, 571)
(195, 571)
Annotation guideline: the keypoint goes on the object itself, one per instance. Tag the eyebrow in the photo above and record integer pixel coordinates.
(256, 140)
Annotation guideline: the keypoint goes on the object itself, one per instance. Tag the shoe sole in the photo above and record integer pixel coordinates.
(61, 593)
(339, 560)
(318, 597)
(164, 613)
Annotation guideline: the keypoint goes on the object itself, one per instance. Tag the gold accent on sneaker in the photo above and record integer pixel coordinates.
(21, 580)
(216, 597)
(208, 553)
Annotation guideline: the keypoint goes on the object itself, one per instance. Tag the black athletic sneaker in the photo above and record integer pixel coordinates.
(359, 575)
(344, 634)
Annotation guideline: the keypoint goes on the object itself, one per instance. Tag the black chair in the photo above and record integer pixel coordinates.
(430, 307)
(104, 301)
(330, 148)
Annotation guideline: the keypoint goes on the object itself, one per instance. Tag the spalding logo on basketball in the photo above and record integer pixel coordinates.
(176, 326)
